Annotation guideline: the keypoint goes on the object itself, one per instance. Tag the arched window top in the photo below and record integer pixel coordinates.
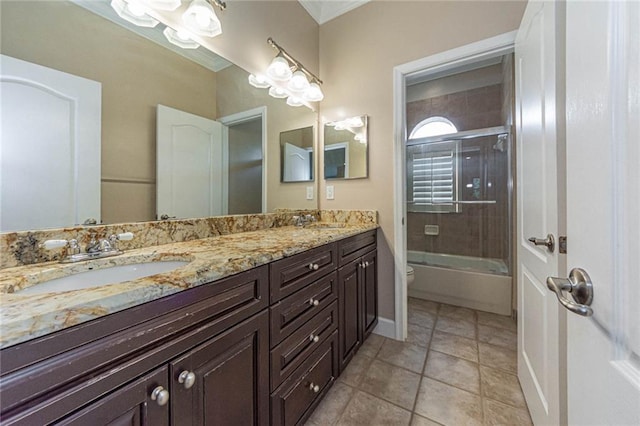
(432, 126)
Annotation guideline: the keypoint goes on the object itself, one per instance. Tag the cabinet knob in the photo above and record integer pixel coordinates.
(313, 338)
(314, 266)
(314, 302)
(314, 388)
(366, 264)
(187, 378)
(160, 395)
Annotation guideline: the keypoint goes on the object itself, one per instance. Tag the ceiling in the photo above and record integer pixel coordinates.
(325, 10)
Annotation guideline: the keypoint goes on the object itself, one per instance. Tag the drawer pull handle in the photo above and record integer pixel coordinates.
(314, 302)
(187, 378)
(314, 266)
(314, 339)
(314, 388)
(160, 395)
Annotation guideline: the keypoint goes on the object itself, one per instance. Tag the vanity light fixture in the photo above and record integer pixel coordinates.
(180, 38)
(288, 78)
(201, 19)
(134, 11)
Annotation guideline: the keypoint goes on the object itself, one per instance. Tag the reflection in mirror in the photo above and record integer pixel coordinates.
(345, 148)
(136, 75)
(296, 147)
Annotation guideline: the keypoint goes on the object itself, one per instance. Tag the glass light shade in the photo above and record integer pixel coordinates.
(201, 19)
(258, 81)
(277, 92)
(313, 93)
(298, 82)
(279, 69)
(354, 122)
(360, 138)
(163, 4)
(294, 101)
(180, 38)
(133, 11)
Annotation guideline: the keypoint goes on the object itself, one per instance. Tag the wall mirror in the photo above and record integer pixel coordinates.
(346, 148)
(136, 75)
(296, 153)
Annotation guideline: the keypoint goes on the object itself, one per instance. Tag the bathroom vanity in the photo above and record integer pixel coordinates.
(259, 346)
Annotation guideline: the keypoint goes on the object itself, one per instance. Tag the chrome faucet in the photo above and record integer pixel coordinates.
(303, 220)
(95, 249)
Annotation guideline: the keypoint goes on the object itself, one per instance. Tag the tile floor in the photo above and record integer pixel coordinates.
(457, 367)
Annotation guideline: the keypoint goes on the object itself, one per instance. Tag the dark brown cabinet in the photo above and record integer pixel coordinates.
(257, 348)
(358, 293)
(224, 381)
(130, 405)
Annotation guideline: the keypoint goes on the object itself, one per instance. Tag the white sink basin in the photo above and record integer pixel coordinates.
(100, 277)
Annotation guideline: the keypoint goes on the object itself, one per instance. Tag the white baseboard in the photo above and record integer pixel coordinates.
(386, 328)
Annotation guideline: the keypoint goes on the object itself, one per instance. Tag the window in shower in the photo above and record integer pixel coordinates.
(432, 180)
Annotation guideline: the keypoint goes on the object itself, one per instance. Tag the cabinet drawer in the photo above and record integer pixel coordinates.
(354, 247)
(289, 354)
(294, 311)
(295, 400)
(291, 274)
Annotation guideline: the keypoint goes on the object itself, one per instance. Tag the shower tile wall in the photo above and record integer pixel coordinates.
(478, 230)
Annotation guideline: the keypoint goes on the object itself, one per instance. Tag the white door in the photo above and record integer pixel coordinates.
(603, 210)
(537, 206)
(297, 164)
(49, 147)
(191, 175)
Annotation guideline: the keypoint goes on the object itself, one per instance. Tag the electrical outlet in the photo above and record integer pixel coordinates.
(330, 192)
(309, 192)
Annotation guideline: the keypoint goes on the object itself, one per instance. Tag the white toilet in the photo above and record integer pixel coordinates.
(410, 276)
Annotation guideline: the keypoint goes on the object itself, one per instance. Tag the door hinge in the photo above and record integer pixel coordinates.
(562, 245)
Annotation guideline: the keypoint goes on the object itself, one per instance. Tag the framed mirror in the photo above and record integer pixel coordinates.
(346, 149)
(136, 74)
(296, 153)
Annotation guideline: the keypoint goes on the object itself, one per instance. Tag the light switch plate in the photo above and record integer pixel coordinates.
(330, 192)
(309, 192)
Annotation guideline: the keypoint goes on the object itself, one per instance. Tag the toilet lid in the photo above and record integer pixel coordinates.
(409, 270)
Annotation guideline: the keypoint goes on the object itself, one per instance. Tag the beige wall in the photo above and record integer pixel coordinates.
(280, 118)
(357, 54)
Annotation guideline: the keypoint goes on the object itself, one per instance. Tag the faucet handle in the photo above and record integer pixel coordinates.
(125, 236)
(53, 244)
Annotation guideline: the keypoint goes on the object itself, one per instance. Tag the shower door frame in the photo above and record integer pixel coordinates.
(471, 53)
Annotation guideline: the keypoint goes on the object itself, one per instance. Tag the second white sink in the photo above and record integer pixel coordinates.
(100, 277)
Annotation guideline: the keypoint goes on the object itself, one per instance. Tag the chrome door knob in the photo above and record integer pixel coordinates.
(160, 395)
(314, 388)
(314, 302)
(314, 266)
(549, 242)
(579, 286)
(187, 378)
(314, 339)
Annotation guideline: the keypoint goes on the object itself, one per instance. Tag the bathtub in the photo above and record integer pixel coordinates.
(472, 282)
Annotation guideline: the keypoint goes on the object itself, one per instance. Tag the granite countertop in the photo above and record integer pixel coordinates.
(24, 317)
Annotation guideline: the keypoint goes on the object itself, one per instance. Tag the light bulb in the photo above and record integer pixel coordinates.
(183, 35)
(203, 19)
(313, 93)
(294, 101)
(298, 82)
(277, 92)
(279, 69)
(136, 9)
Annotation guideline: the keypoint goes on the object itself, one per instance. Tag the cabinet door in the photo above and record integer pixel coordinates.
(369, 274)
(230, 382)
(349, 309)
(131, 405)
